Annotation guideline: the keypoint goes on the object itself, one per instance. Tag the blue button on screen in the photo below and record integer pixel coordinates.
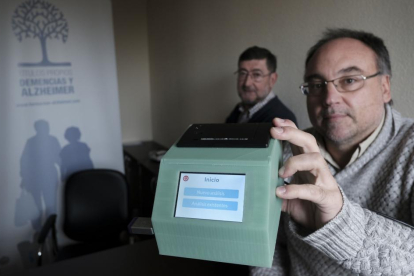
(210, 204)
(223, 193)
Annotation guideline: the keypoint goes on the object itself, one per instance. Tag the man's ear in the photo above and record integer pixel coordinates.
(386, 88)
(273, 79)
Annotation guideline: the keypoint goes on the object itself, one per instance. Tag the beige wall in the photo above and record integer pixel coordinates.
(194, 45)
(131, 43)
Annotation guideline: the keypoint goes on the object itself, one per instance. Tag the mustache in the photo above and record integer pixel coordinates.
(248, 89)
(331, 111)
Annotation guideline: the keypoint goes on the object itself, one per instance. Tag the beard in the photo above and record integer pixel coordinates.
(250, 97)
(340, 131)
(338, 135)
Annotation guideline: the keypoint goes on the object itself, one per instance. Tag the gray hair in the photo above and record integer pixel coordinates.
(370, 40)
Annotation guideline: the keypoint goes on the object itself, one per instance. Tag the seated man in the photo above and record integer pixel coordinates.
(349, 208)
(256, 77)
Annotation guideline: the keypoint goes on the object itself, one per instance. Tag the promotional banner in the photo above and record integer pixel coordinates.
(59, 111)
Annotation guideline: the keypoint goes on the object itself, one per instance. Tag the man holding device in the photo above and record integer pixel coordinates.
(350, 204)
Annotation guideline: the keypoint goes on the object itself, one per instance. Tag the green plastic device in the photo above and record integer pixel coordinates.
(219, 204)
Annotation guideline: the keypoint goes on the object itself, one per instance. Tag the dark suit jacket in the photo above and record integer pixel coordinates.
(274, 108)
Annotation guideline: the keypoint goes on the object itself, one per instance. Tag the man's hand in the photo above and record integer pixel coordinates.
(313, 198)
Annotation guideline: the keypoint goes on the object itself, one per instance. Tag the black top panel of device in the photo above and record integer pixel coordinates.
(226, 136)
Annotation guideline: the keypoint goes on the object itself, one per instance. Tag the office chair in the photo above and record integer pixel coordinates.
(96, 212)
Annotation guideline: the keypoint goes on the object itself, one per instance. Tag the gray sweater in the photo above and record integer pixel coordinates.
(359, 240)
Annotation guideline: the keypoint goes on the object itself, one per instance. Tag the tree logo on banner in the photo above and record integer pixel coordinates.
(40, 19)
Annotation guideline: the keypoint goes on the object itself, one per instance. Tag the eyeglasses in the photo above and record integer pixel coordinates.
(257, 76)
(342, 84)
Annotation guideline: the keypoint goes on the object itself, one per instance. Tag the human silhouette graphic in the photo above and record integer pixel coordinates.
(75, 156)
(38, 170)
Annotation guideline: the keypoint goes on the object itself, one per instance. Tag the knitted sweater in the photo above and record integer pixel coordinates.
(359, 240)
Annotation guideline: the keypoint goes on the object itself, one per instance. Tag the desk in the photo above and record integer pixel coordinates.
(141, 258)
(141, 173)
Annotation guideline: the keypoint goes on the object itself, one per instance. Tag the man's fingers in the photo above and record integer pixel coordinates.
(308, 192)
(299, 201)
(296, 137)
(278, 122)
(311, 162)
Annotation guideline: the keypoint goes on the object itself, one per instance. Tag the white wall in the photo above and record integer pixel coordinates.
(194, 46)
(131, 42)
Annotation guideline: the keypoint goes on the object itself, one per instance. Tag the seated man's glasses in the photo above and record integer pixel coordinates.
(257, 76)
(342, 84)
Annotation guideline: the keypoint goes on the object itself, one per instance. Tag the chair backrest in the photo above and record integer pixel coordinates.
(95, 205)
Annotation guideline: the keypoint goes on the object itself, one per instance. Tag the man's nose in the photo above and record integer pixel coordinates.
(331, 94)
(248, 80)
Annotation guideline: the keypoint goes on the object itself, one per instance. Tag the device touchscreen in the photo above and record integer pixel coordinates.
(211, 196)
